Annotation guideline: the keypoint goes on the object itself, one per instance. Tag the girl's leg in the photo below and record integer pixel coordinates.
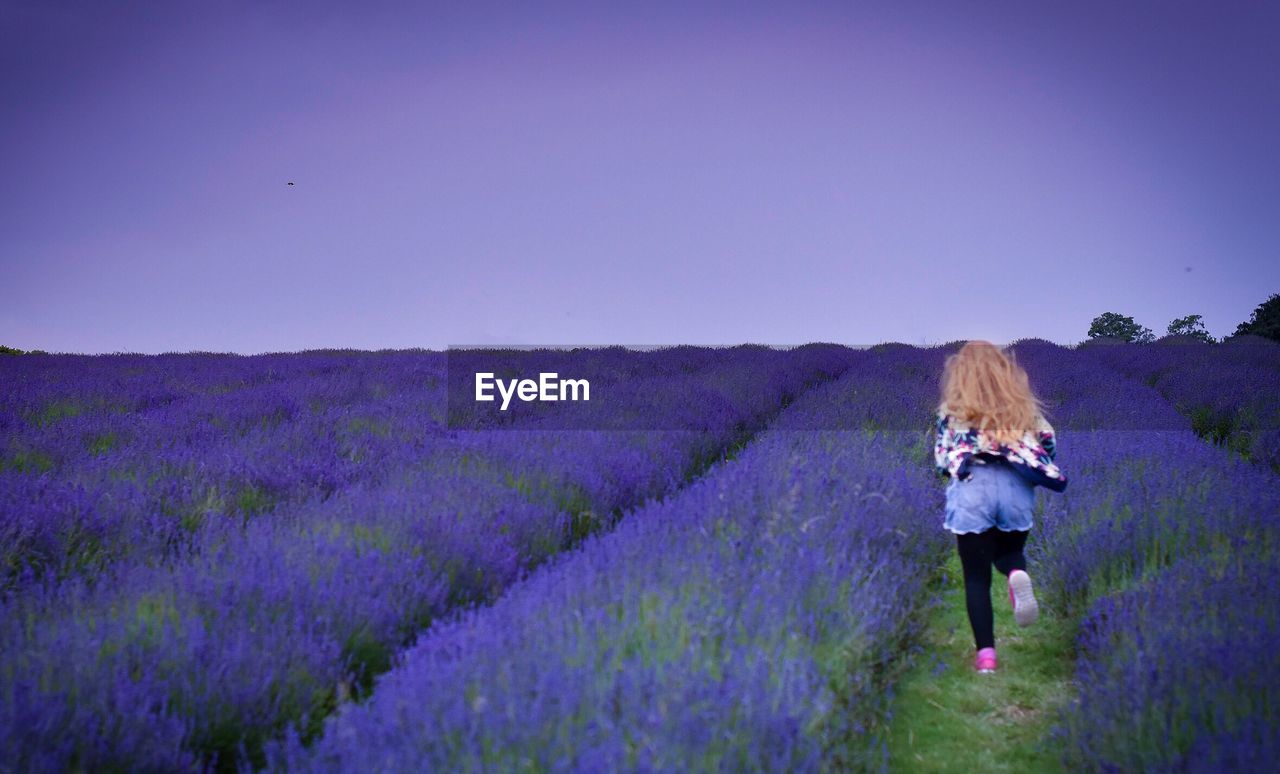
(977, 551)
(1009, 559)
(1008, 550)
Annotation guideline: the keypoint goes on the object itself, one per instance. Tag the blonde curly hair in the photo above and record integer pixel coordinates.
(984, 386)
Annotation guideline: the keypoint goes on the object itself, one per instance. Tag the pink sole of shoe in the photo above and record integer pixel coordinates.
(985, 661)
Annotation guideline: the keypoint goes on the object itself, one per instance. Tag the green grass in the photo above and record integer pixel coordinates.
(946, 717)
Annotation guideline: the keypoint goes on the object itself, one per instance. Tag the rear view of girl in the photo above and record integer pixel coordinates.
(996, 446)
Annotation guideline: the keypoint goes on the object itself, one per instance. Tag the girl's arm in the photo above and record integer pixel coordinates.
(941, 444)
(1048, 441)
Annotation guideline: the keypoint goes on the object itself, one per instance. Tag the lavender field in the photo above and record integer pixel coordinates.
(293, 562)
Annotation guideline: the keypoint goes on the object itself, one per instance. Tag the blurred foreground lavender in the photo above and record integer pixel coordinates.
(1180, 673)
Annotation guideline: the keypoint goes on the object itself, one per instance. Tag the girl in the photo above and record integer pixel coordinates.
(996, 446)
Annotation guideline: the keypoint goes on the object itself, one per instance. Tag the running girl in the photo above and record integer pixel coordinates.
(996, 446)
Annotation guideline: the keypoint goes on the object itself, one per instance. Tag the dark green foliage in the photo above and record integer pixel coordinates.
(9, 350)
(101, 444)
(253, 500)
(1114, 325)
(29, 461)
(1191, 326)
(59, 409)
(1265, 320)
(1215, 426)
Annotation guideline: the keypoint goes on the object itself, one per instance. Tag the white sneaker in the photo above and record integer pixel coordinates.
(1023, 599)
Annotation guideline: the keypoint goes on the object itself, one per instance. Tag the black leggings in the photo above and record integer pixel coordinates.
(978, 551)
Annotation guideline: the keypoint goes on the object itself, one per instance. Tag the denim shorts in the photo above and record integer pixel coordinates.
(993, 496)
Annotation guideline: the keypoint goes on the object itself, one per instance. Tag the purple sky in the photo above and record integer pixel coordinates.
(798, 172)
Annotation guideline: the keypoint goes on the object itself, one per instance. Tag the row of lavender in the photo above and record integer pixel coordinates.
(1230, 391)
(126, 457)
(1163, 546)
(1165, 556)
(201, 638)
(1181, 673)
(754, 621)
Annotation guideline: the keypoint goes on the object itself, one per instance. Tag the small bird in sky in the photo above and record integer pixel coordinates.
(290, 182)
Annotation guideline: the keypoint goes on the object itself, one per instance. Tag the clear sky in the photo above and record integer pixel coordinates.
(672, 173)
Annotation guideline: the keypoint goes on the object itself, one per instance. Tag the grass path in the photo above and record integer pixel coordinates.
(946, 717)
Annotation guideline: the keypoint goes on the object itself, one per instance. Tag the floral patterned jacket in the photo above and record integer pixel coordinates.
(958, 442)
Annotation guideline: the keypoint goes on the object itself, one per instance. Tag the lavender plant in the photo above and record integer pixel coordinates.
(1180, 673)
(229, 625)
(1227, 390)
(753, 621)
(1165, 552)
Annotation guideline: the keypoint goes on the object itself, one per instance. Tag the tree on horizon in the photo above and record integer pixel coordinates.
(1191, 326)
(1113, 325)
(1265, 320)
